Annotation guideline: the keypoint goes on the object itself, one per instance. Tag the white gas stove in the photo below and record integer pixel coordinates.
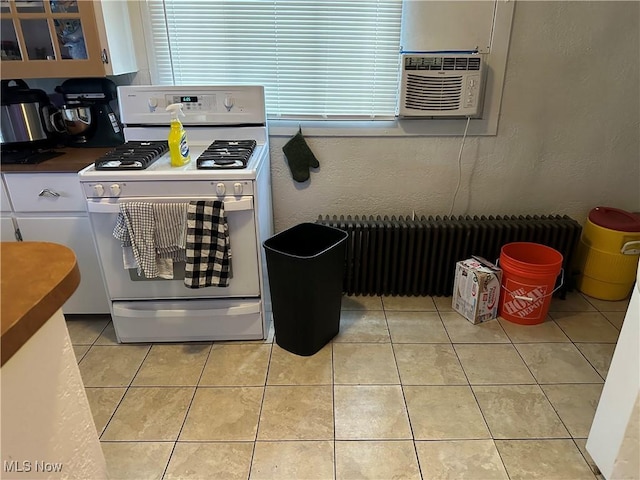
(228, 140)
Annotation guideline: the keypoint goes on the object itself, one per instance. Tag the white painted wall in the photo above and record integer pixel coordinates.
(568, 137)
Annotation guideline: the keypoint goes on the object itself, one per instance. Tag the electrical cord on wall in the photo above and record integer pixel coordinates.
(464, 136)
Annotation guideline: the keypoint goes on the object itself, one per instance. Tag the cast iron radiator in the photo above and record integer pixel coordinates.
(417, 257)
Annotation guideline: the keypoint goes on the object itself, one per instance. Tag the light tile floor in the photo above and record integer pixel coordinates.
(408, 390)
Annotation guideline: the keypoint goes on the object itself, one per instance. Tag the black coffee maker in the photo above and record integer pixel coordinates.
(87, 114)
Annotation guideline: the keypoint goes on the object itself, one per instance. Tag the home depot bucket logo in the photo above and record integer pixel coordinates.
(525, 300)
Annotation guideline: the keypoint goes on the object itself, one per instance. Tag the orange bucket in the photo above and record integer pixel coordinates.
(529, 273)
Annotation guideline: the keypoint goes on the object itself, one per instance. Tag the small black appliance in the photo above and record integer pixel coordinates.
(89, 119)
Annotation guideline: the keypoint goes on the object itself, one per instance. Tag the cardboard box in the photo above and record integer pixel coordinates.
(476, 290)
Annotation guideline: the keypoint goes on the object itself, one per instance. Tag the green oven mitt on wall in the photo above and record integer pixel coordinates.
(299, 157)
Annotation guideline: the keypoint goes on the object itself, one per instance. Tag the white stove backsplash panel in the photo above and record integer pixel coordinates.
(203, 105)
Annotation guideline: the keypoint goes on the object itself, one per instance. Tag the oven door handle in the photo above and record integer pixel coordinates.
(122, 310)
(103, 206)
(113, 205)
(238, 205)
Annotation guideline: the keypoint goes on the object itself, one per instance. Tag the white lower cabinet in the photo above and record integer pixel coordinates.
(7, 231)
(49, 207)
(75, 233)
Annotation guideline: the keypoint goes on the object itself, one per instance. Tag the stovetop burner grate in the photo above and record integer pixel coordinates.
(223, 154)
(132, 155)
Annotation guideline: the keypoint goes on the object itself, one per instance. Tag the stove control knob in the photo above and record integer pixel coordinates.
(115, 189)
(220, 188)
(228, 102)
(98, 190)
(237, 188)
(153, 104)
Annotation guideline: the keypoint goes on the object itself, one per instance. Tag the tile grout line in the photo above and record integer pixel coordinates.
(125, 392)
(571, 437)
(597, 472)
(404, 398)
(186, 414)
(539, 385)
(92, 344)
(576, 347)
(493, 439)
(464, 372)
(333, 410)
(126, 387)
(264, 394)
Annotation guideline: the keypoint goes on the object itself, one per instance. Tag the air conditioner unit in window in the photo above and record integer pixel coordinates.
(441, 85)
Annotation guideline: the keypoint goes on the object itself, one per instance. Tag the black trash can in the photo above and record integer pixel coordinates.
(305, 265)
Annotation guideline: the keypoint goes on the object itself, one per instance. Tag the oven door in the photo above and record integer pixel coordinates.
(126, 284)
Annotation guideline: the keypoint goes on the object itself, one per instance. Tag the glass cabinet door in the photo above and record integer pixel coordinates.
(9, 46)
(70, 38)
(69, 30)
(10, 49)
(51, 30)
(65, 38)
(37, 39)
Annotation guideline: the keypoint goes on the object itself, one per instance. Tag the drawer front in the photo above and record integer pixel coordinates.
(46, 192)
(187, 321)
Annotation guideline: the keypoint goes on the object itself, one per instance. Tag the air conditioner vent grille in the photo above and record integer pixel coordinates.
(433, 93)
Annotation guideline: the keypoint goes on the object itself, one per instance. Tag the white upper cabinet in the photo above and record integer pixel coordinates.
(65, 39)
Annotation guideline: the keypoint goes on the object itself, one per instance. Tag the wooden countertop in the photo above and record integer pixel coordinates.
(72, 160)
(36, 278)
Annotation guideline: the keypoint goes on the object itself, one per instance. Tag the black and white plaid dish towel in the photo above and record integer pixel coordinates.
(208, 249)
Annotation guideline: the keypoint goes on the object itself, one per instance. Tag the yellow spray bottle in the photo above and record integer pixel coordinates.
(178, 146)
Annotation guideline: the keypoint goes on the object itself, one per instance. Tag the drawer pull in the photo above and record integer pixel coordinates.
(48, 193)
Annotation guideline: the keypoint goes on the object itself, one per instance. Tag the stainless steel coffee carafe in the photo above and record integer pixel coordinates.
(27, 117)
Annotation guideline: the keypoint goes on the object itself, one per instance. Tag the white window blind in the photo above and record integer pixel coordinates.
(316, 59)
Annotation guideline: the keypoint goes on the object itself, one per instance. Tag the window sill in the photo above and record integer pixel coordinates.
(383, 128)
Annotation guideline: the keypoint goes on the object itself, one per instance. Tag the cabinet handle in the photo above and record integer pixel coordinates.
(105, 59)
(48, 193)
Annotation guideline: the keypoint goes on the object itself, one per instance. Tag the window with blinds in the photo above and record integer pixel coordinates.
(316, 59)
